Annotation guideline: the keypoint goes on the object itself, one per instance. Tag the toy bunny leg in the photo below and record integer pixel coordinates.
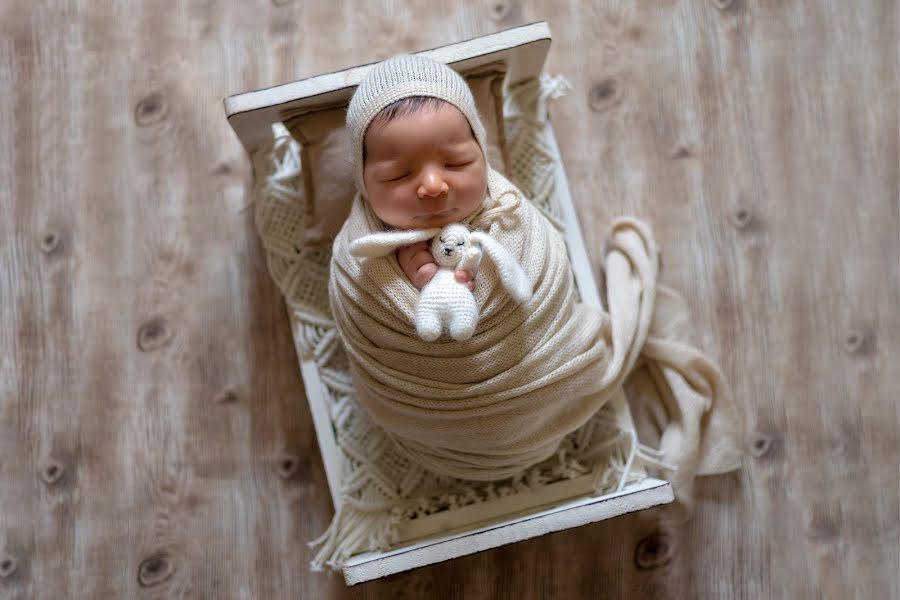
(428, 321)
(464, 317)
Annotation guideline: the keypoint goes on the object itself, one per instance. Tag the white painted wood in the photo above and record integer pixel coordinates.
(572, 513)
(581, 265)
(319, 407)
(524, 50)
(507, 506)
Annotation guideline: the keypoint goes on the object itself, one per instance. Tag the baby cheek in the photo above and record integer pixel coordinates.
(378, 202)
(392, 207)
(473, 190)
(401, 203)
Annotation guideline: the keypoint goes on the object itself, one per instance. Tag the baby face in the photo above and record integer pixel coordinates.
(425, 169)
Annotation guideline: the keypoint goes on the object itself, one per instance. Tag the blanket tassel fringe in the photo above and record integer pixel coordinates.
(352, 530)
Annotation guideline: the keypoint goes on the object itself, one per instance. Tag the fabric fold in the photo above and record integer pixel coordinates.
(491, 406)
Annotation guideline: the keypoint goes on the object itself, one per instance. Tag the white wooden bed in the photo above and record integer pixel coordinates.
(477, 527)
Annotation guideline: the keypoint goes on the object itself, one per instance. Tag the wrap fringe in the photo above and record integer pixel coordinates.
(352, 530)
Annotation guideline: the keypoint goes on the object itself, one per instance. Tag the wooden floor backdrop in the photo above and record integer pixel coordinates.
(154, 435)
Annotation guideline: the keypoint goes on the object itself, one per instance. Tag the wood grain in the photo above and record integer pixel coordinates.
(154, 434)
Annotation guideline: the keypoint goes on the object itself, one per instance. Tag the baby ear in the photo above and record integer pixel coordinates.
(383, 243)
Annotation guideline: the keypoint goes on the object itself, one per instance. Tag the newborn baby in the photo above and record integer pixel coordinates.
(423, 168)
(486, 406)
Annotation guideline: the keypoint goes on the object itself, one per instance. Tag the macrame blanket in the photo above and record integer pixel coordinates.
(487, 408)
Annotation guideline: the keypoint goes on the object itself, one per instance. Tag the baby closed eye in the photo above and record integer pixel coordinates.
(396, 177)
(403, 175)
(458, 164)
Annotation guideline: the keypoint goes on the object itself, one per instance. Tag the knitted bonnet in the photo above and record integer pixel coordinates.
(400, 77)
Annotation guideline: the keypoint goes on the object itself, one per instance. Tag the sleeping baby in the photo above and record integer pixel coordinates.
(423, 168)
(534, 367)
(425, 174)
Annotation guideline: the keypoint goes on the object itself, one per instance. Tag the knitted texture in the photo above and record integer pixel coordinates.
(476, 409)
(399, 77)
(491, 406)
(380, 485)
(444, 302)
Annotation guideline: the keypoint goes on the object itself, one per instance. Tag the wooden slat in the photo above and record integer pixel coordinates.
(561, 515)
(251, 113)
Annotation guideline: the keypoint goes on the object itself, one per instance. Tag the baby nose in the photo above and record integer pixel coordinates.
(432, 185)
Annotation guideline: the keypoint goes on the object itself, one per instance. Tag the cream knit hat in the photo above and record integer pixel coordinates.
(400, 77)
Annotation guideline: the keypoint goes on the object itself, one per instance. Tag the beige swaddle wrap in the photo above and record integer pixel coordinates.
(489, 407)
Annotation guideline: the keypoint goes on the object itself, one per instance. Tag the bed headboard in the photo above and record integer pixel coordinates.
(251, 114)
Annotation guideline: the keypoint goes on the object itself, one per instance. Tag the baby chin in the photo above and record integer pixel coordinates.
(439, 219)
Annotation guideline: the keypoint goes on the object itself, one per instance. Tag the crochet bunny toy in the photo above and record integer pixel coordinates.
(444, 302)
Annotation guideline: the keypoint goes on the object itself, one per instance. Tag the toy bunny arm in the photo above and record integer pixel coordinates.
(470, 260)
(385, 242)
(513, 278)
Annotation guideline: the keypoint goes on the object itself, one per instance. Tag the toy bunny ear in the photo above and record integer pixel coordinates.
(513, 278)
(383, 243)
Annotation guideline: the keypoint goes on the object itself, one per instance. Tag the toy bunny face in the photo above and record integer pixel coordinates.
(450, 246)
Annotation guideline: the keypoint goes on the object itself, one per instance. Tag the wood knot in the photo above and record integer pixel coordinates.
(226, 396)
(681, 152)
(500, 10)
(603, 95)
(153, 334)
(150, 110)
(723, 4)
(49, 242)
(653, 551)
(8, 566)
(824, 524)
(52, 472)
(222, 168)
(288, 466)
(155, 569)
(760, 446)
(741, 217)
(854, 341)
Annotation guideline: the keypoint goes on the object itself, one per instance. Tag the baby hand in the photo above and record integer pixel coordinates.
(418, 264)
